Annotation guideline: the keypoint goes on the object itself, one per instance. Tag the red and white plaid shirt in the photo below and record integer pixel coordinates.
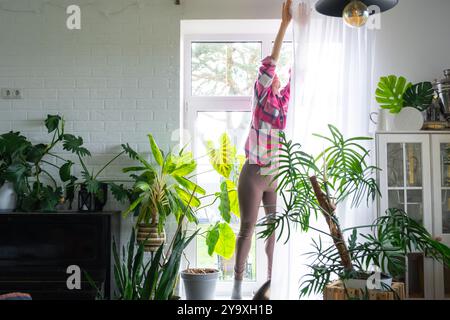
(268, 118)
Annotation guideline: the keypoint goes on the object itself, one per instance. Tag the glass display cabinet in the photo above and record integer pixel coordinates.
(415, 177)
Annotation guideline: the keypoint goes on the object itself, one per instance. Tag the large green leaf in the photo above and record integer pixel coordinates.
(189, 185)
(390, 91)
(52, 122)
(65, 171)
(419, 95)
(157, 154)
(222, 159)
(187, 198)
(212, 236)
(36, 153)
(74, 144)
(233, 197)
(13, 146)
(119, 192)
(224, 205)
(227, 241)
(184, 164)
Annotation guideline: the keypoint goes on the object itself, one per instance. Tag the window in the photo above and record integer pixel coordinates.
(219, 72)
(224, 68)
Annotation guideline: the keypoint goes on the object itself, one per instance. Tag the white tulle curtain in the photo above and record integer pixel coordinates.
(332, 81)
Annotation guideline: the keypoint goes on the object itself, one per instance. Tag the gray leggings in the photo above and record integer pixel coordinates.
(252, 189)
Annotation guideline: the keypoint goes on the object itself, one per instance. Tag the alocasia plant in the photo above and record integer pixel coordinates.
(220, 237)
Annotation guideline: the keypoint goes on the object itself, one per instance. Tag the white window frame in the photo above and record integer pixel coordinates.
(191, 105)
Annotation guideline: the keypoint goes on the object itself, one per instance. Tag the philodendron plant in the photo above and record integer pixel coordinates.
(394, 93)
(220, 237)
(316, 186)
(27, 166)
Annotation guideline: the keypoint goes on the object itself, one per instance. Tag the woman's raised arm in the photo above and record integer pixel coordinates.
(286, 18)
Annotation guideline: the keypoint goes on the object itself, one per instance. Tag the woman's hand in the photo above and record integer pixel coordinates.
(286, 15)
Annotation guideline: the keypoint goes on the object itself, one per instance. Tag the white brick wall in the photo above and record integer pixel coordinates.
(107, 79)
(110, 80)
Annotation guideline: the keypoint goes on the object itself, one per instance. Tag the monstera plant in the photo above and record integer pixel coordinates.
(394, 93)
(224, 159)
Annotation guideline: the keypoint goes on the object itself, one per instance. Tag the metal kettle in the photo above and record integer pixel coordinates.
(442, 89)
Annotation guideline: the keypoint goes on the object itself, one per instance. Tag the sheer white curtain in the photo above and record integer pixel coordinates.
(332, 77)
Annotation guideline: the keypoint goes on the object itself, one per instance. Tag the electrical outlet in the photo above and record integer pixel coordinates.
(11, 93)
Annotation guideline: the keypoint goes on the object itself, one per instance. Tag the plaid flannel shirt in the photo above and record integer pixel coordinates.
(269, 112)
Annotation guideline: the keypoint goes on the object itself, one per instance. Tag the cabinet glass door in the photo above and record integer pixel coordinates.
(405, 192)
(405, 182)
(441, 214)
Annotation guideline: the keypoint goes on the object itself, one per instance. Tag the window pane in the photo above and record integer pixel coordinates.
(414, 164)
(285, 62)
(395, 165)
(446, 211)
(396, 199)
(224, 69)
(445, 164)
(210, 125)
(415, 205)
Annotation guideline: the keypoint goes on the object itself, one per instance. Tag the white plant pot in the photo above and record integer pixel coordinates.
(374, 282)
(8, 198)
(200, 286)
(409, 119)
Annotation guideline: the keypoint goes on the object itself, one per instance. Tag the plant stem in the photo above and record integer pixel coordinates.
(51, 178)
(106, 165)
(335, 231)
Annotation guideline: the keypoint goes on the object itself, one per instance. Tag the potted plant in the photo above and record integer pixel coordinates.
(315, 186)
(29, 169)
(162, 188)
(12, 152)
(405, 102)
(93, 192)
(220, 238)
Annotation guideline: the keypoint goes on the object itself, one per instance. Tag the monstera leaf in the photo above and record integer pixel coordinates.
(390, 91)
(419, 96)
(223, 158)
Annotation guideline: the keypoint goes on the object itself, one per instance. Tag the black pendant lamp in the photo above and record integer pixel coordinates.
(354, 12)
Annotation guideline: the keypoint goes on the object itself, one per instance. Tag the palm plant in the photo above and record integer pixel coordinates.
(316, 186)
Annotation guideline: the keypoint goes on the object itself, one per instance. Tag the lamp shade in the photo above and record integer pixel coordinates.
(334, 8)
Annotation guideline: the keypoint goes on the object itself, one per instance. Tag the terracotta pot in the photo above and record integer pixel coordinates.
(148, 234)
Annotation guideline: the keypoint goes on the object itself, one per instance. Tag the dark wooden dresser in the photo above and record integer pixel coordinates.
(36, 250)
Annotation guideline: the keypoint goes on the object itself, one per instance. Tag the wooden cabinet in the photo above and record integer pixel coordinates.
(36, 250)
(415, 177)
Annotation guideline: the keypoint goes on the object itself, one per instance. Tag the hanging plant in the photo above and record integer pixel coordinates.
(390, 93)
